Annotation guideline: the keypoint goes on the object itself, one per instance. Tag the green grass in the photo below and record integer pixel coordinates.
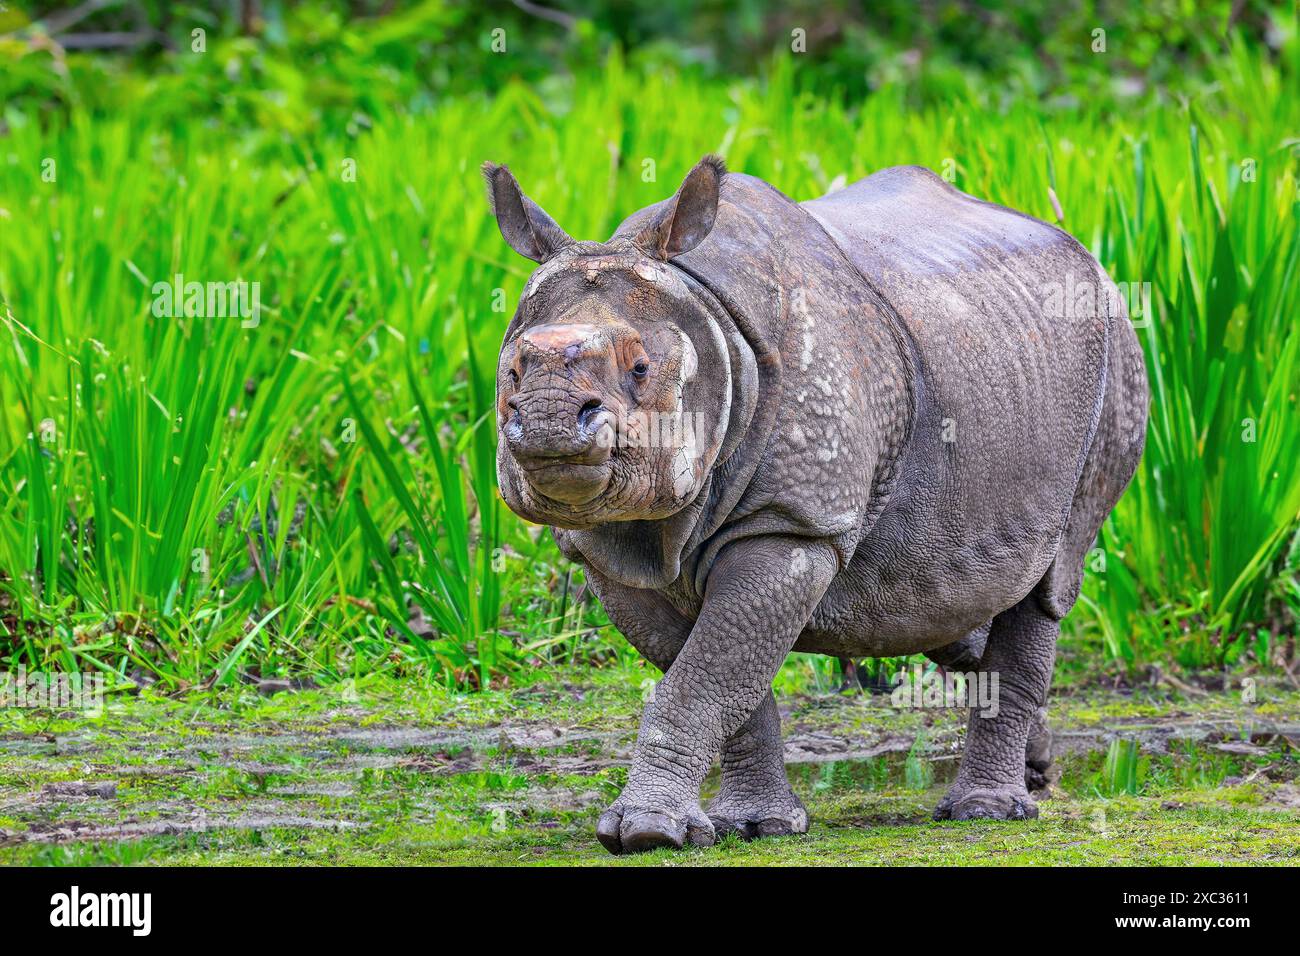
(185, 499)
(1117, 834)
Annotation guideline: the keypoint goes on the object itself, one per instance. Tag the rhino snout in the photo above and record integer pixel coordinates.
(561, 447)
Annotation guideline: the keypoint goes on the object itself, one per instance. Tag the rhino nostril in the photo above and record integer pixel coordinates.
(513, 403)
(588, 410)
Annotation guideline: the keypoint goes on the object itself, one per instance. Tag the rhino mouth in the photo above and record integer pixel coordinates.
(575, 480)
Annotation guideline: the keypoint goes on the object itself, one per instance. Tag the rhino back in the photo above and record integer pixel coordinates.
(1009, 396)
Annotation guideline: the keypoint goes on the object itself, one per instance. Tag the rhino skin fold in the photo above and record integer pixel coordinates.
(899, 417)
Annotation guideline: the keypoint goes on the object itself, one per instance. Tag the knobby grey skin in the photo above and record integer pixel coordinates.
(910, 412)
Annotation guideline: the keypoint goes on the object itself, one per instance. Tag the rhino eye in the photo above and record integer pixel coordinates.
(641, 368)
(514, 377)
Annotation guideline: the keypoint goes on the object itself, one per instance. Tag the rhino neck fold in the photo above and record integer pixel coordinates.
(640, 554)
(759, 386)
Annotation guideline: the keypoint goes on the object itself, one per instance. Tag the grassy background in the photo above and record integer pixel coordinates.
(187, 500)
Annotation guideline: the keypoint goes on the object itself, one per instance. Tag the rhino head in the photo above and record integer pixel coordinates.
(614, 383)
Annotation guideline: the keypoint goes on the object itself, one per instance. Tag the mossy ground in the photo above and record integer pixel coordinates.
(391, 773)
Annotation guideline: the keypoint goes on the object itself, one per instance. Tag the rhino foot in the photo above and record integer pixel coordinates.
(752, 816)
(625, 828)
(983, 804)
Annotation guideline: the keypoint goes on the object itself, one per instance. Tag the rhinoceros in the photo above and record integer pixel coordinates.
(884, 422)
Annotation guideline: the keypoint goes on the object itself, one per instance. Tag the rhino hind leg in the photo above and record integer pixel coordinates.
(1110, 464)
(992, 780)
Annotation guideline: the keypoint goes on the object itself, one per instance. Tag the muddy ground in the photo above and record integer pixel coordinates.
(385, 772)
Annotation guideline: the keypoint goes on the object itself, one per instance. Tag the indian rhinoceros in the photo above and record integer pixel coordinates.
(883, 422)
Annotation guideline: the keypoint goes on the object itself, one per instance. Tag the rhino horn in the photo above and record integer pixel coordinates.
(689, 216)
(523, 223)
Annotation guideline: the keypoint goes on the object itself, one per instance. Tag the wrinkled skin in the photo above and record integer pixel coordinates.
(884, 422)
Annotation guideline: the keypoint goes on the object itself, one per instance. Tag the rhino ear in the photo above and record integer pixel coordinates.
(688, 217)
(523, 223)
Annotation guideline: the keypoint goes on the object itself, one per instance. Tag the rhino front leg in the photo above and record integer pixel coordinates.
(755, 798)
(760, 593)
(991, 782)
